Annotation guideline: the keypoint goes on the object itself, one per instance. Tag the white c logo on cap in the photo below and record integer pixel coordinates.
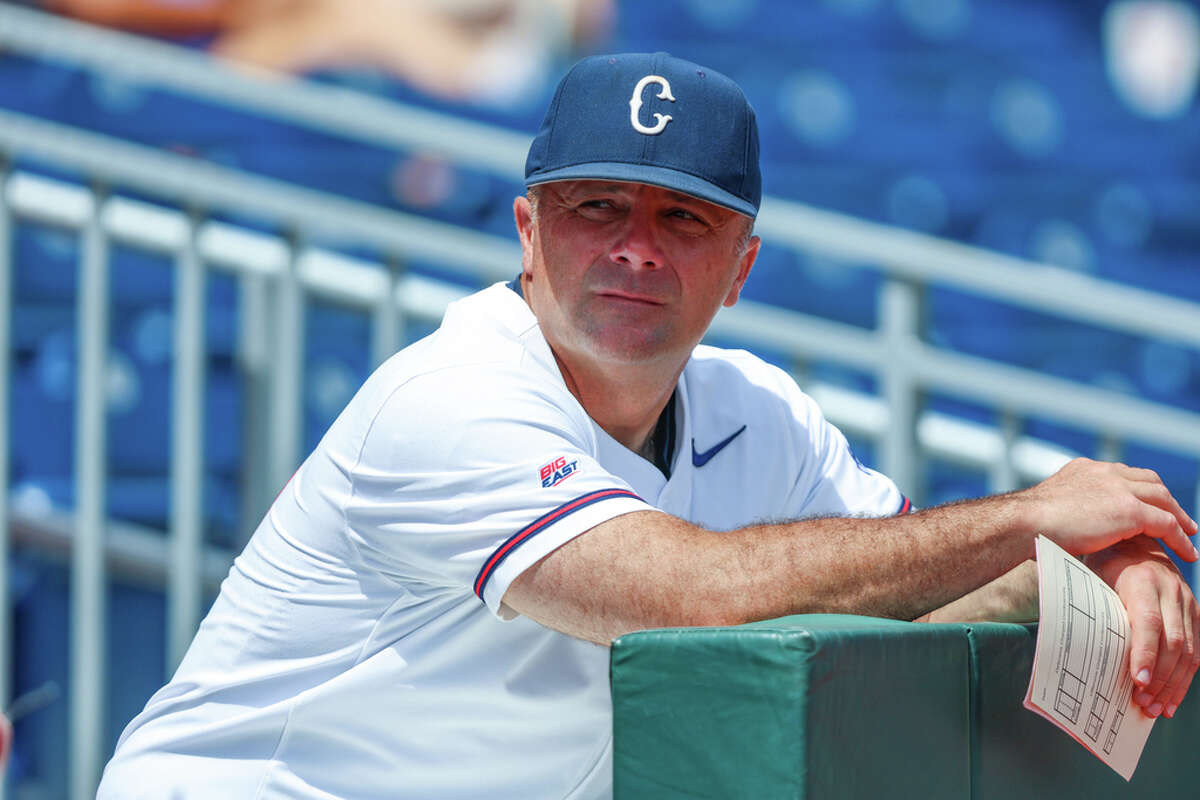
(635, 105)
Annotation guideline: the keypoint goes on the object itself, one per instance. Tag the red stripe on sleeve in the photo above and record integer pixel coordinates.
(540, 524)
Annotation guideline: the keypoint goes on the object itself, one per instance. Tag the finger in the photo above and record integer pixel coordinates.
(1145, 622)
(1185, 670)
(1169, 697)
(1172, 645)
(1156, 494)
(1164, 526)
(1152, 695)
(1173, 706)
(1136, 473)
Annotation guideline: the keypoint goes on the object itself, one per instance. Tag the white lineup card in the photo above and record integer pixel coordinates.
(1081, 679)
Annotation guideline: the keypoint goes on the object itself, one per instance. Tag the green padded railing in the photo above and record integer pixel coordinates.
(832, 706)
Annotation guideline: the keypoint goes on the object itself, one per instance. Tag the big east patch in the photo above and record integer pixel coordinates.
(557, 471)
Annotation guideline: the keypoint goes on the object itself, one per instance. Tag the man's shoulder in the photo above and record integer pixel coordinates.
(449, 385)
(710, 354)
(484, 332)
(484, 356)
(739, 372)
(493, 324)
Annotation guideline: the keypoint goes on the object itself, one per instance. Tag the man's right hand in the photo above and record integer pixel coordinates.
(1089, 505)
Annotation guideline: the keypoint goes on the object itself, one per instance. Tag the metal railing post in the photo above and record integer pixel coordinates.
(1002, 477)
(254, 359)
(184, 587)
(387, 322)
(900, 324)
(6, 307)
(287, 373)
(1110, 448)
(88, 589)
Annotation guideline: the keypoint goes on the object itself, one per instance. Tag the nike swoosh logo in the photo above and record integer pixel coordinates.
(700, 459)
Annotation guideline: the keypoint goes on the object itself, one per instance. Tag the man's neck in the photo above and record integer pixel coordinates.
(626, 402)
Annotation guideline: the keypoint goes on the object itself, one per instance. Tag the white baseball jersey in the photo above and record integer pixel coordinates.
(360, 647)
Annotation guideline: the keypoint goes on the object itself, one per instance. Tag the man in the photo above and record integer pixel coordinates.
(424, 610)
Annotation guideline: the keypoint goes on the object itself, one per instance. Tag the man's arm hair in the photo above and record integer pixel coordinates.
(648, 569)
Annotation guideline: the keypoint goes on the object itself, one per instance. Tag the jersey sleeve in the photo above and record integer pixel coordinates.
(469, 476)
(832, 482)
(827, 477)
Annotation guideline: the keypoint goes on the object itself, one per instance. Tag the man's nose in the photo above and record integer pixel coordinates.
(637, 244)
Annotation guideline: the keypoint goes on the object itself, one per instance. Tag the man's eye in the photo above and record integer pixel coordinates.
(687, 216)
(597, 210)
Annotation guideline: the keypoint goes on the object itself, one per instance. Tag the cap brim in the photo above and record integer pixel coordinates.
(654, 176)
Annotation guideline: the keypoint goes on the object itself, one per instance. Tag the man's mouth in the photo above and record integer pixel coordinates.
(630, 297)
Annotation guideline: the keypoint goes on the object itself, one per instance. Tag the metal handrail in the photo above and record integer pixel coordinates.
(197, 183)
(928, 259)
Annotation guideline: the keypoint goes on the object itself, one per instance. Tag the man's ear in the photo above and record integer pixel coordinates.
(523, 216)
(743, 270)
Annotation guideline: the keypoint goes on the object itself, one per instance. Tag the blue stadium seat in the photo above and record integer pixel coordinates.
(45, 264)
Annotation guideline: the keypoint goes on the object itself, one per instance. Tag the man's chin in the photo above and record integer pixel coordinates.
(630, 349)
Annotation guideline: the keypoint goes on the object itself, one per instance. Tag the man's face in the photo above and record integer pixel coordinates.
(627, 272)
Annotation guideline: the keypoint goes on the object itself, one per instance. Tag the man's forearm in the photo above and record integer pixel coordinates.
(1013, 597)
(648, 569)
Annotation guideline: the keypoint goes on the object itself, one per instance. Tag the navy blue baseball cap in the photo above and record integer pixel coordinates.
(651, 118)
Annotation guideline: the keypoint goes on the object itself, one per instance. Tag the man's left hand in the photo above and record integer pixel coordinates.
(1164, 619)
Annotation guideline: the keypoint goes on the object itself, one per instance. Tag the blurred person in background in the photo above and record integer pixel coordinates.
(488, 52)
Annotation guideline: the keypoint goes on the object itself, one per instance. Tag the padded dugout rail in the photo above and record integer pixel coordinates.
(832, 706)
